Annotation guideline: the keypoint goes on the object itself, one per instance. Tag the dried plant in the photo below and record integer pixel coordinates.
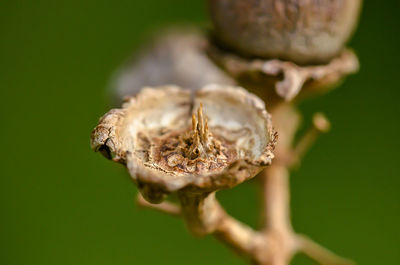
(194, 142)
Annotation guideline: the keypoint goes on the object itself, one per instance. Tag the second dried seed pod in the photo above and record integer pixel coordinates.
(302, 31)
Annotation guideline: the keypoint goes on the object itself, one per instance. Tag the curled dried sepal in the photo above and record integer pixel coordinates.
(291, 78)
(170, 139)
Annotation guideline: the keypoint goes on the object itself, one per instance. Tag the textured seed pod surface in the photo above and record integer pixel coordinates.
(170, 139)
(302, 31)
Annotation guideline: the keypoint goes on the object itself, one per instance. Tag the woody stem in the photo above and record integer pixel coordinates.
(276, 199)
(204, 215)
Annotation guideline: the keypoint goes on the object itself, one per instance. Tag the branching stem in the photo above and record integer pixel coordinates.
(276, 243)
(320, 254)
(320, 125)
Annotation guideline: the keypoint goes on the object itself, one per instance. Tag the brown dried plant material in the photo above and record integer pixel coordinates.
(288, 78)
(175, 56)
(194, 144)
(171, 140)
(301, 31)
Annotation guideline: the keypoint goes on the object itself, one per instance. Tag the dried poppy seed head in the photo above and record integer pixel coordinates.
(171, 140)
(300, 31)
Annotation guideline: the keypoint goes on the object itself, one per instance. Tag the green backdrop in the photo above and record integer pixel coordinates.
(63, 204)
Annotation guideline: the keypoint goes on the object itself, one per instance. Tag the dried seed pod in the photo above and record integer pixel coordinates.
(171, 140)
(175, 56)
(297, 30)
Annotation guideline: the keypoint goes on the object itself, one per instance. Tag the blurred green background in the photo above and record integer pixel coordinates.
(63, 204)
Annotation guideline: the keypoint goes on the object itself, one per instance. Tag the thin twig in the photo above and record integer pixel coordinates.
(276, 198)
(165, 207)
(240, 236)
(318, 253)
(320, 125)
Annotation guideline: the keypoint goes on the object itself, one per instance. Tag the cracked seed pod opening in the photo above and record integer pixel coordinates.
(170, 139)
